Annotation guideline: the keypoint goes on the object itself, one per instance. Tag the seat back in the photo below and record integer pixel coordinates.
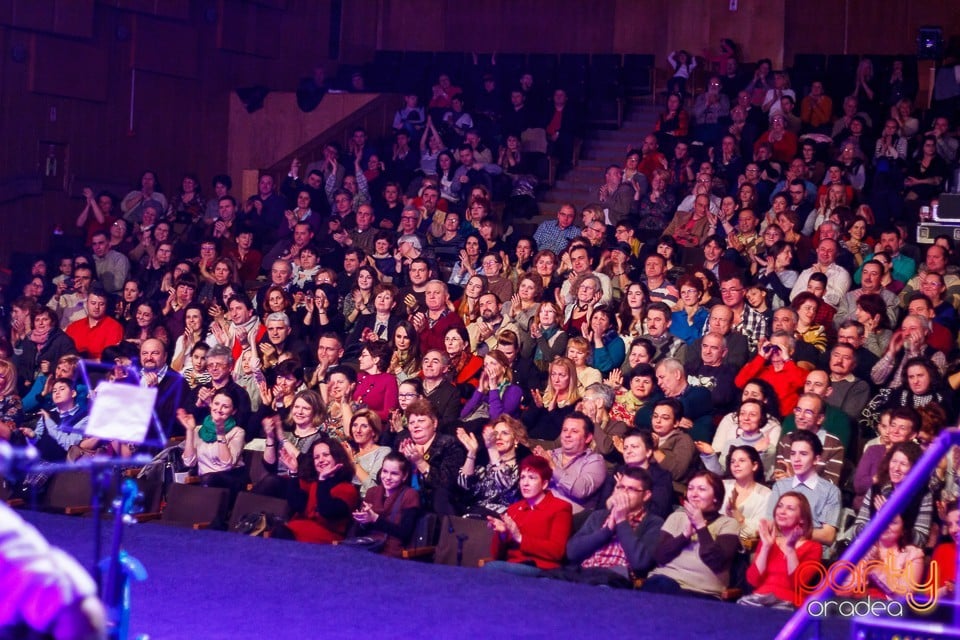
(188, 504)
(253, 461)
(533, 140)
(472, 533)
(248, 503)
(68, 489)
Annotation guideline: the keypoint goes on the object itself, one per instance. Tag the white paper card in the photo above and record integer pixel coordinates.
(121, 412)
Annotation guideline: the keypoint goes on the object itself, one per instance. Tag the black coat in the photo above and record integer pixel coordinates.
(27, 362)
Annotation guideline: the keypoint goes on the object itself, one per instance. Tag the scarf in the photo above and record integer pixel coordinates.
(548, 334)
(208, 431)
(249, 327)
(39, 336)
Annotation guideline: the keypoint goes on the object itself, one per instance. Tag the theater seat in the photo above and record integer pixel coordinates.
(189, 505)
(69, 492)
(254, 503)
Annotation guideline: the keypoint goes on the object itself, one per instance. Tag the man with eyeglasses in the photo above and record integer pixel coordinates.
(936, 261)
(554, 235)
(835, 420)
(701, 187)
(619, 539)
(809, 415)
(220, 368)
(749, 323)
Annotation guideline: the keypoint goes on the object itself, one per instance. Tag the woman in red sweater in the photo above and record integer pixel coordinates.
(327, 497)
(532, 535)
(773, 364)
(784, 545)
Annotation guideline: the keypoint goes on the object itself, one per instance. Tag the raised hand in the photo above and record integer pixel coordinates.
(468, 440)
(767, 534)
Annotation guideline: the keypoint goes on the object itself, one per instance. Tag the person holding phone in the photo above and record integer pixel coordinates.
(773, 363)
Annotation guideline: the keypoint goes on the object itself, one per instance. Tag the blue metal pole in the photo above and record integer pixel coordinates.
(916, 480)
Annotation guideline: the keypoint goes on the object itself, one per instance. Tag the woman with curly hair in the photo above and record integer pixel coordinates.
(326, 496)
(806, 305)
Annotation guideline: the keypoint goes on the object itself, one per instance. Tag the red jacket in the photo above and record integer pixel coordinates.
(545, 529)
(788, 383)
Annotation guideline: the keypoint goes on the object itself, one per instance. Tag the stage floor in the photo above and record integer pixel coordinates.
(205, 585)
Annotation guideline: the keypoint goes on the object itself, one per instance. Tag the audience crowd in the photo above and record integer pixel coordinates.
(722, 368)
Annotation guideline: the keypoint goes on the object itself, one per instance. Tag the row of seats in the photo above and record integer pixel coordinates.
(838, 72)
(581, 74)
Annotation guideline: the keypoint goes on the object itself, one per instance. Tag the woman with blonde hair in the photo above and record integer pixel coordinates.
(496, 393)
(557, 401)
(11, 407)
(492, 486)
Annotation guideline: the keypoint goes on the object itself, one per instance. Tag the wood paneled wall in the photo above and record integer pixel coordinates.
(78, 72)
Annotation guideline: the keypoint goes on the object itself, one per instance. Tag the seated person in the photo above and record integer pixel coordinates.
(784, 544)
(596, 404)
(894, 550)
(697, 418)
(755, 389)
(658, 321)
(578, 472)
(619, 540)
(295, 437)
(62, 427)
(809, 414)
(824, 496)
(894, 468)
(441, 393)
(751, 418)
(697, 543)
(638, 449)
(774, 364)
(945, 553)
(435, 457)
(216, 445)
(532, 535)
(326, 497)
(390, 508)
(745, 495)
(492, 487)
(676, 452)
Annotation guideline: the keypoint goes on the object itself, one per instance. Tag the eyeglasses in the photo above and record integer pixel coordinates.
(408, 395)
(806, 413)
(408, 217)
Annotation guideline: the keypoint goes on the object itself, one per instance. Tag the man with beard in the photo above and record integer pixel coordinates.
(172, 390)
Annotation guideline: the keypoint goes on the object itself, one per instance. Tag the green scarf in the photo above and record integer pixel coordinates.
(208, 431)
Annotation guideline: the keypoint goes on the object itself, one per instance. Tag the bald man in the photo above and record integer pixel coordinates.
(172, 391)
